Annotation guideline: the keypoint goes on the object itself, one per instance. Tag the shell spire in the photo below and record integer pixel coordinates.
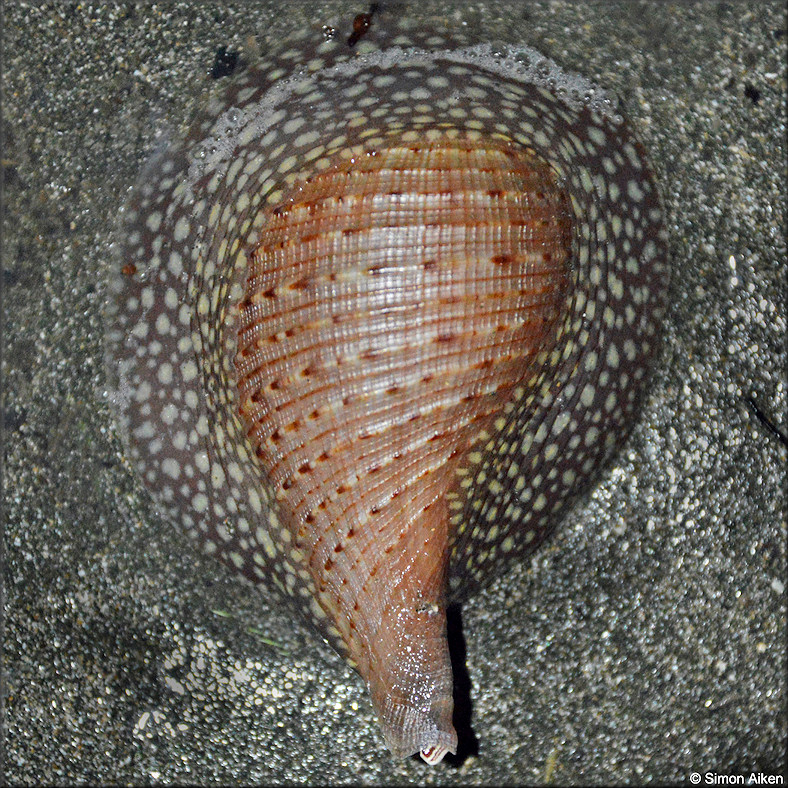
(378, 321)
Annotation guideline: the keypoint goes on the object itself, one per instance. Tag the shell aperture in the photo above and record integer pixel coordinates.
(379, 316)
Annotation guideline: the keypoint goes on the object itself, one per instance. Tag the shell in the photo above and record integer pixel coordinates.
(379, 317)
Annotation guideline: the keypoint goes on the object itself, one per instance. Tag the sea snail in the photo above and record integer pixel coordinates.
(375, 320)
